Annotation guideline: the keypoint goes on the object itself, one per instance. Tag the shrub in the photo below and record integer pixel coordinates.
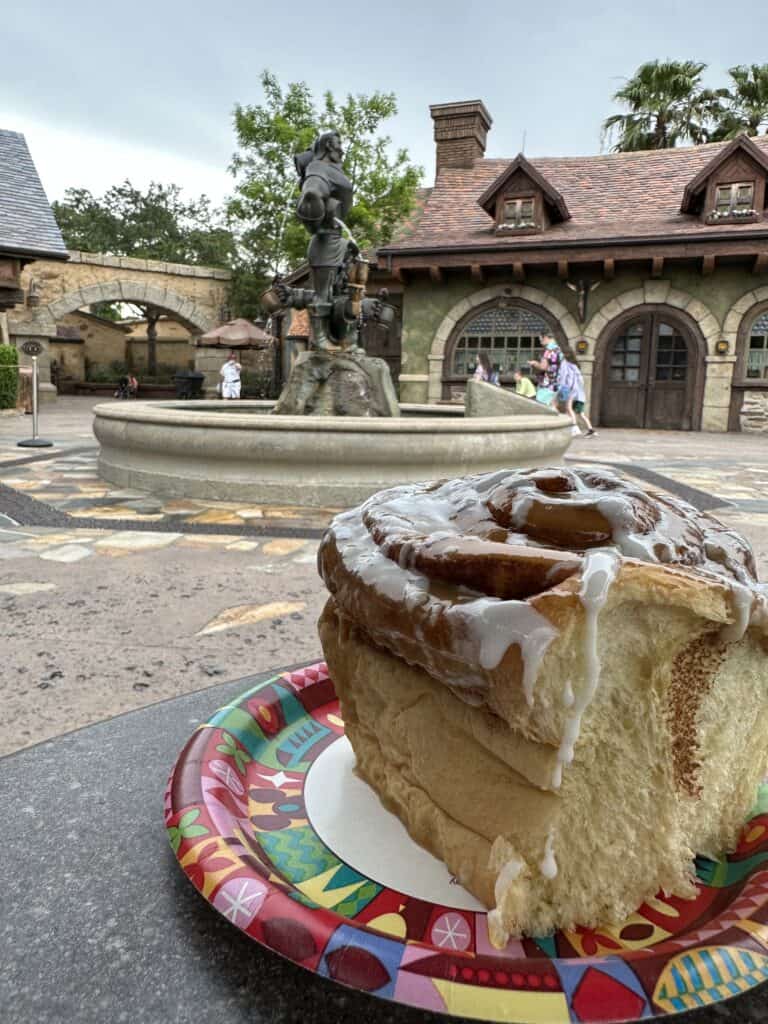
(256, 384)
(9, 376)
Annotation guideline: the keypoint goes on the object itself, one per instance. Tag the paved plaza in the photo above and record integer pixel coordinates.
(114, 599)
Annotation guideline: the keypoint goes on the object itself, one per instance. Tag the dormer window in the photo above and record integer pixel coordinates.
(734, 200)
(522, 201)
(519, 213)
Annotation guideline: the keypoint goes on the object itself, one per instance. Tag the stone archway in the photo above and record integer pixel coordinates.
(459, 312)
(638, 381)
(128, 290)
(718, 369)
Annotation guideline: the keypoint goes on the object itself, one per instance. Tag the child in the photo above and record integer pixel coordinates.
(571, 394)
(523, 385)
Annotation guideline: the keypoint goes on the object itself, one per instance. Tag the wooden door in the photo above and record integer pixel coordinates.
(626, 376)
(669, 390)
(649, 375)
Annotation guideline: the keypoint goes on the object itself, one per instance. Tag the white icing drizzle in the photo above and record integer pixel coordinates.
(601, 566)
(506, 877)
(492, 626)
(548, 866)
(742, 609)
(568, 697)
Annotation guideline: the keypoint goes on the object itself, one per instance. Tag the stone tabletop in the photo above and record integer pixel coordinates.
(99, 924)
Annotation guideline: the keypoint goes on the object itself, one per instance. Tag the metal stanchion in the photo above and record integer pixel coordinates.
(34, 441)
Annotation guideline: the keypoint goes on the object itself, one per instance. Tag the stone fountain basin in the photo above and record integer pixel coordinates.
(236, 452)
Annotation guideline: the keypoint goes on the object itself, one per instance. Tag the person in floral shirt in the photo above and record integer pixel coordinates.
(548, 369)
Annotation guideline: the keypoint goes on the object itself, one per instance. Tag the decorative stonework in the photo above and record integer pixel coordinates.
(753, 418)
(739, 310)
(535, 296)
(654, 293)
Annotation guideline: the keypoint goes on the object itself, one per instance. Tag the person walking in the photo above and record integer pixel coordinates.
(548, 368)
(523, 385)
(483, 370)
(230, 377)
(572, 395)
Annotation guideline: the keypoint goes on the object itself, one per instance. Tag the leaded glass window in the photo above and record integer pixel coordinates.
(757, 353)
(625, 357)
(509, 337)
(671, 354)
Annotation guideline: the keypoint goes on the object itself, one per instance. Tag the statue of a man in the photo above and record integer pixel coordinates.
(325, 201)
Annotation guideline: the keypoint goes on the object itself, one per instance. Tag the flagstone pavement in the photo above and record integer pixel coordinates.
(131, 599)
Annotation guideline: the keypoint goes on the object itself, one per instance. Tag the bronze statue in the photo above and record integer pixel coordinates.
(336, 377)
(336, 300)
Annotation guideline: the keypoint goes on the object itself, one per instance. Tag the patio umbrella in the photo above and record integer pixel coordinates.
(238, 332)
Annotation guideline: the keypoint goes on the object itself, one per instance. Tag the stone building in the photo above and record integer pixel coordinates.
(652, 267)
(28, 231)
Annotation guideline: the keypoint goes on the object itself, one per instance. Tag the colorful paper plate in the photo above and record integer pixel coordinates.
(271, 826)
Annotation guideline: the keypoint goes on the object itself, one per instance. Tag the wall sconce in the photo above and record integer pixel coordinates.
(721, 347)
(582, 346)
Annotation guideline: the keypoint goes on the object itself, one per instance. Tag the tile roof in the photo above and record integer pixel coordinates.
(621, 195)
(27, 224)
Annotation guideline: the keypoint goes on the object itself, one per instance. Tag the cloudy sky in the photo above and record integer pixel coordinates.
(106, 91)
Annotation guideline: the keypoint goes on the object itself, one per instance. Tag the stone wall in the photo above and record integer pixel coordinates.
(713, 304)
(753, 418)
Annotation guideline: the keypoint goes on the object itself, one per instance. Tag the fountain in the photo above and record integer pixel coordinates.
(337, 433)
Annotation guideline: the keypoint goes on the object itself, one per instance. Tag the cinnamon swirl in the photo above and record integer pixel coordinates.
(556, 679)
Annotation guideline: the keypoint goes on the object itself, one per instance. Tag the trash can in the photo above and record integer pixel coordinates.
(188, 383)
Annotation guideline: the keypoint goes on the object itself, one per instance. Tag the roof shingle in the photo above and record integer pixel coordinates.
(621, 195)
(27, 224)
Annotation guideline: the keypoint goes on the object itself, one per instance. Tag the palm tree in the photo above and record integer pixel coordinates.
(746, 105)
(667, 105)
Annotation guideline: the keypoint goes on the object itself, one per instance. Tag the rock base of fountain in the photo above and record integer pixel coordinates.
(338, 384)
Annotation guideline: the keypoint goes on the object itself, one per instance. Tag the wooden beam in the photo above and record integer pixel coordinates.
(477, 274)
(657, 266)
(562, 269)
(436, 274)
(761, 263)
(518, 271)
(609, 269)
(400, 275)
(708, 265)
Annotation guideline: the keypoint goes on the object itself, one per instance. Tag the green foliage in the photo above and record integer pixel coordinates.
(258, 384)
(270, 134)
(745, 107)
(667, 105)
(9, 376)
(157, 224)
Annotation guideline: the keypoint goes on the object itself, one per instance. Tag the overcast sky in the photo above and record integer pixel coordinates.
(145, 90)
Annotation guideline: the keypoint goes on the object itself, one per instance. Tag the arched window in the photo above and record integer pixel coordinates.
(509, 337)
(757, 349)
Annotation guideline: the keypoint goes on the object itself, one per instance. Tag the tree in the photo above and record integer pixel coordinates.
(667, 105)
(745, 107)
(157, 224)
(266, 190)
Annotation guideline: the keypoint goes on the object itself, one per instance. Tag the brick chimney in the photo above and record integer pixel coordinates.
(460, 131)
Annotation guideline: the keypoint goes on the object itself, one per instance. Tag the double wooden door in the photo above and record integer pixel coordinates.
(649, 375)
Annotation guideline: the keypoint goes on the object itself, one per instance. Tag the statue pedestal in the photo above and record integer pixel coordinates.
(338, 384)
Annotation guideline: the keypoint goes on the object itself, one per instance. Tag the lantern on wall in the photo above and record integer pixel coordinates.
(721, 347)
(582, 346)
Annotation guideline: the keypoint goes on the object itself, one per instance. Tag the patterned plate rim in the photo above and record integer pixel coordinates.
(234, 839)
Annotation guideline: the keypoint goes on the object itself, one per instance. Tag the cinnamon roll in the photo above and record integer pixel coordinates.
(557, 681)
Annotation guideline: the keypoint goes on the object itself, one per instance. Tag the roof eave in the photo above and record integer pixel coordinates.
(25, 253)
(583, 243)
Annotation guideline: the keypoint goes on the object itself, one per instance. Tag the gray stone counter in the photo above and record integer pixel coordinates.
(98, 924)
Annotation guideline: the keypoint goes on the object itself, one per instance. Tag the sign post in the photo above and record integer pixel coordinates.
(33, 349)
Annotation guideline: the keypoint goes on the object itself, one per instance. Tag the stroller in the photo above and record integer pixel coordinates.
(127, 387)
